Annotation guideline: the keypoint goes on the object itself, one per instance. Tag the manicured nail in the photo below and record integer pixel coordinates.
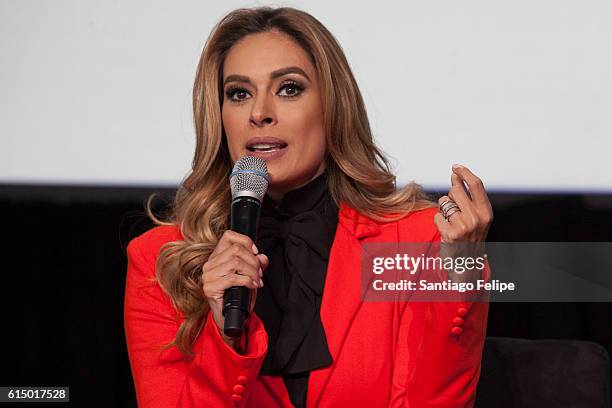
(255, 250)
(260, 272)
(261, 283)
(457, 166)
(255, 283)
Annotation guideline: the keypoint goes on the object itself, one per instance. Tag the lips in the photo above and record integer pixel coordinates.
(265, 144)
(267, 148)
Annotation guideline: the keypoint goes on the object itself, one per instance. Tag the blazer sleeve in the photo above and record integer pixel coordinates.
(216, 376)
(438, 353)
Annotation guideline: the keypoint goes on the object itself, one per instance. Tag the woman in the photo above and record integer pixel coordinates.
(274, 83)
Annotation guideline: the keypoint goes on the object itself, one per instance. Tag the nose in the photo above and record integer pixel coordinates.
(262, 112)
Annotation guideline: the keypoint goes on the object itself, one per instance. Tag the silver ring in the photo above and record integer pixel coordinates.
(449, 206)
(444, 203)
(451, 211)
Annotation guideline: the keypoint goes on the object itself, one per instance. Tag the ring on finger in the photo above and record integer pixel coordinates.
(450, 212)
(445, 202)
(448, 206)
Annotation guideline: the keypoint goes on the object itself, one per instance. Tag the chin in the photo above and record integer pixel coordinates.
(276, 182)
(278, 172)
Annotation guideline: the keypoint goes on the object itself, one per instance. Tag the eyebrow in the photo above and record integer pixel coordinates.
(273, 75)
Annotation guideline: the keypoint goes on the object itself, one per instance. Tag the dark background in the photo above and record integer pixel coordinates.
(63, 284)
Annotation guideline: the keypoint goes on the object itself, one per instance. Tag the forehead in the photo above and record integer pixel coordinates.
(256, 55)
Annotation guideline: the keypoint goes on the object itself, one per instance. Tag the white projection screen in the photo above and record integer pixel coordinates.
(99, 92)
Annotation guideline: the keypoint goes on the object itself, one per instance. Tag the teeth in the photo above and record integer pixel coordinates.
(264, 146)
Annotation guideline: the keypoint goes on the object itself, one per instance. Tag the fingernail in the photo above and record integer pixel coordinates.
(457, 166)
(260, 272)
(261, 283)
(255, 250)
(256, 283)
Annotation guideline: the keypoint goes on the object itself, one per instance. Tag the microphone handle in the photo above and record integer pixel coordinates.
(244, 220)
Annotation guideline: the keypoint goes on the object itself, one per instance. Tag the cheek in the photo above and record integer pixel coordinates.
(309, 131)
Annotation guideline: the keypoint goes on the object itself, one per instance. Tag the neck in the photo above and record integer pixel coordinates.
(277, 195)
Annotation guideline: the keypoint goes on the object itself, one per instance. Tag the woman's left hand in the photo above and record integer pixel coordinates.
(470, 223)
(463, 220)
(464, 227)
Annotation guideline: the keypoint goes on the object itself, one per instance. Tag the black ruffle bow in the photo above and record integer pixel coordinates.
(297, 236)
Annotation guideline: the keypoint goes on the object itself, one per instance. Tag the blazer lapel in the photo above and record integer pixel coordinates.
(342, 294)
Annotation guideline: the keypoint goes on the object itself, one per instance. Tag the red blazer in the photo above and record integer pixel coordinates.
(385, 354)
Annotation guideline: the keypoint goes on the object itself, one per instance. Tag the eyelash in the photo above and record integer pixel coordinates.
(232, 91)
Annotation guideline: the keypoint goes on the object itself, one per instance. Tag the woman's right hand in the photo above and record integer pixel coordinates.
(232, 263)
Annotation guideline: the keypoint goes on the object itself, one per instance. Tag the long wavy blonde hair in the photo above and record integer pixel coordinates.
(359, 174)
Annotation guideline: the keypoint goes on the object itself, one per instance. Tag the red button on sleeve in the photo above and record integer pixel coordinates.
(457, 330)
(236, 397)
(458, 321)
(241, 379)
(462, 311)
(238, 389)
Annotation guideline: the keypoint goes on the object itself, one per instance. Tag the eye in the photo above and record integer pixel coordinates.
(290, 89)
(237, 94)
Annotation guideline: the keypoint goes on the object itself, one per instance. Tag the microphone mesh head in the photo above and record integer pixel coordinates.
(249, 178)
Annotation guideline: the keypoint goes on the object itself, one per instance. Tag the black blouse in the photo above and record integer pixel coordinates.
(297, 236)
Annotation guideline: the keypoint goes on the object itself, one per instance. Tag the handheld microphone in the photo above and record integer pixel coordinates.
(248, 183)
